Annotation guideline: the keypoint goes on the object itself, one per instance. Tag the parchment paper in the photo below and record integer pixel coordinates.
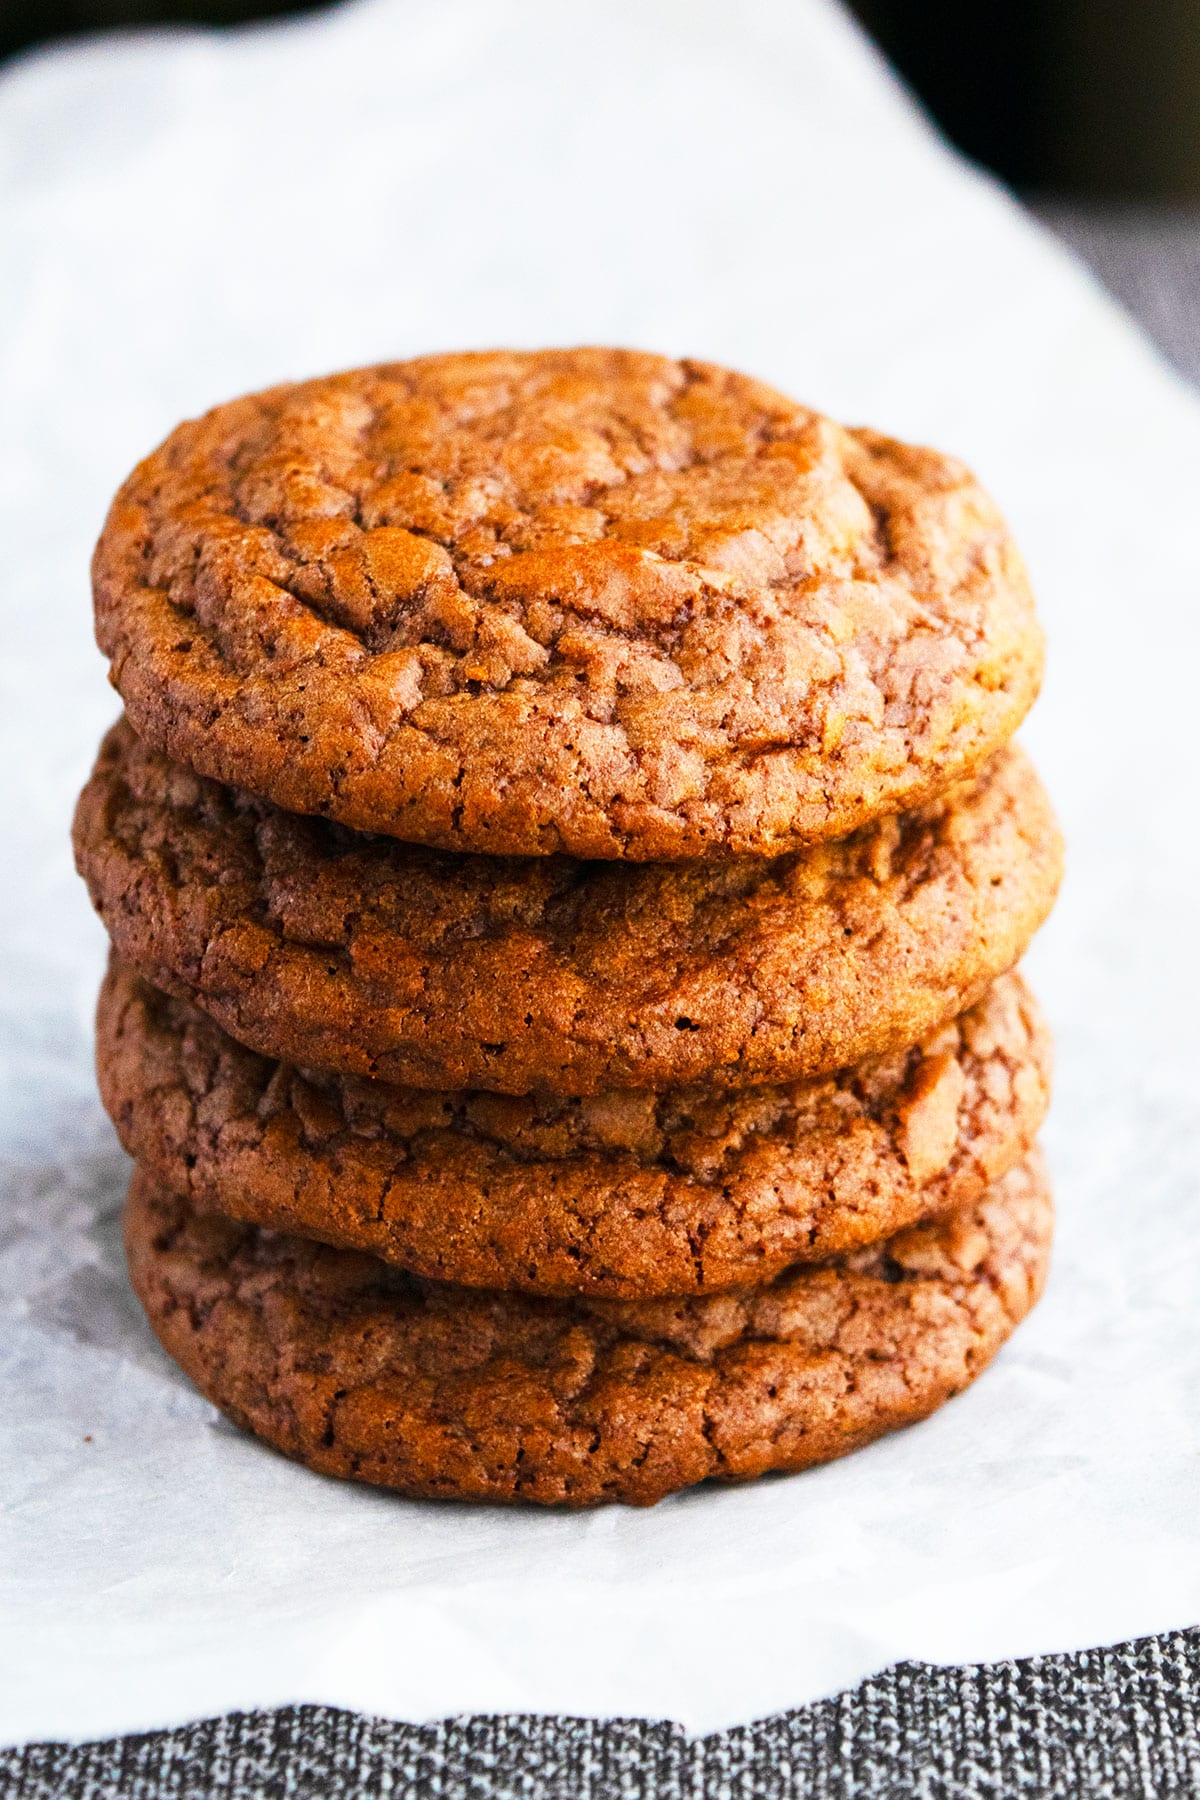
(185, 217)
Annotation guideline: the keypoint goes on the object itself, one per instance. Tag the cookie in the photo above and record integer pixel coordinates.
(327, 949)
(360, 1370)
(625, 1195)
(586, 602)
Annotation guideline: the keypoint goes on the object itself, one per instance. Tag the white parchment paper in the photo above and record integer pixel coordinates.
(184, 217)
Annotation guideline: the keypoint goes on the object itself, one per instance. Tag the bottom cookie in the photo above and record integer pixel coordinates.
(360, 1370)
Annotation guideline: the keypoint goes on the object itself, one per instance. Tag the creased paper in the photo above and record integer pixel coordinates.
(183, 217)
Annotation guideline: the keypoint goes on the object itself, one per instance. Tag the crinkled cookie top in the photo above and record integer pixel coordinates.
(589, 601)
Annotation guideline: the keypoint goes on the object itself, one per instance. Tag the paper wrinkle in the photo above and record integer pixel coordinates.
(183, 217)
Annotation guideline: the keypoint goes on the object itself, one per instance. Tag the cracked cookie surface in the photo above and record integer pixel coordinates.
(321, 947)
(582, 601)
(360, 1370)
(624, 1195)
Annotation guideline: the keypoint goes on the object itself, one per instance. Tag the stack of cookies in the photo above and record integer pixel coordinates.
(565, 867)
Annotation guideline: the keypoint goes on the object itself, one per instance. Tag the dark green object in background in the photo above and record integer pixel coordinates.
(27, 22)
(1098, 99)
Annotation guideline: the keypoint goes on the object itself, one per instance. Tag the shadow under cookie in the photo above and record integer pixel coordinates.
(360, 1370)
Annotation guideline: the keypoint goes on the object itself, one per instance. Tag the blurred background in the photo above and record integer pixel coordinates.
(1080, 100)
(1089, 109)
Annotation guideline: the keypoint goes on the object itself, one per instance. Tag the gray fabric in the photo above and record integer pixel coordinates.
(1150, 261)
(1103, 1724)
(1116, 1724)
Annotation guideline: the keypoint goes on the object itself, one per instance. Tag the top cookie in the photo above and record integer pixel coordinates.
(588, 601)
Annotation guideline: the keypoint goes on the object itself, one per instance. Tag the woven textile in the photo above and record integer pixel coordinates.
(1119, 1722)
(1150, 261)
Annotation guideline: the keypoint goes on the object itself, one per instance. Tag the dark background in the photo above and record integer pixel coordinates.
(1093, 99)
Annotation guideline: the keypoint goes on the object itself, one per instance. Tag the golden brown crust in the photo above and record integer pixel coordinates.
(625, 1195)
(586, 601)
(330, 950)
(359, 1370)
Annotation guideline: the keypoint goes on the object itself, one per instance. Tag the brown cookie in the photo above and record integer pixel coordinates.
(625, 1195)
(579, 601)
(324, 948)
(359, 1370)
